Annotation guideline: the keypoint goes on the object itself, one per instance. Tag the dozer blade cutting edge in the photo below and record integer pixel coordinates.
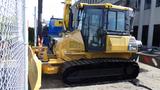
(99, 70)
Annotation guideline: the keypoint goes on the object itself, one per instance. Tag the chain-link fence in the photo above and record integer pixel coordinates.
(12, 45)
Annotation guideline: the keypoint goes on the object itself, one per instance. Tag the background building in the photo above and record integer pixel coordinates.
(147, 19)
(147, 22)
(98, 1)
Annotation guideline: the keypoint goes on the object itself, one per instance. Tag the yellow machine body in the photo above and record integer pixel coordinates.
(71, 47)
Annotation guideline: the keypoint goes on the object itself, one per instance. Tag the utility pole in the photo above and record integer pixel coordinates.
(39, 28)
(35, 26)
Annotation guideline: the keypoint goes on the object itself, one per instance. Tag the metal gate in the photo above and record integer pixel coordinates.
(13, 59)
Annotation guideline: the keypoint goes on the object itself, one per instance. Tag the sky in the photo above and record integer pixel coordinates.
(50, 8)
(53, 7)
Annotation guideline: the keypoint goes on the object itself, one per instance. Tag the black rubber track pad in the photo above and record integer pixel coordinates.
(98, 70)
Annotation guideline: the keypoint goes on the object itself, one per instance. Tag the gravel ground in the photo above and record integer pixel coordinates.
(149, 79)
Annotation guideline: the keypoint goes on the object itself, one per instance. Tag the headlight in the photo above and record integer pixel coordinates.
(132, 46)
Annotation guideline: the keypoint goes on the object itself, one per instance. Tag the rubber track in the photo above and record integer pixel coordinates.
(71, 66)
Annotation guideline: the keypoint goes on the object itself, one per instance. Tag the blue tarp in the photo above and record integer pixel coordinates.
(54, 30)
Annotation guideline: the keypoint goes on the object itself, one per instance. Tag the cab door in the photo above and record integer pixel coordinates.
(93, 34)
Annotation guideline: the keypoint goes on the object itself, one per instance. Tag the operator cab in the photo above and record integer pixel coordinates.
(95, 22)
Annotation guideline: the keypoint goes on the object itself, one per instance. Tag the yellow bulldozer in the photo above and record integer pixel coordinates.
(95, 46)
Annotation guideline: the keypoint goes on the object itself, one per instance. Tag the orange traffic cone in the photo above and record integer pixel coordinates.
(40, 41)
